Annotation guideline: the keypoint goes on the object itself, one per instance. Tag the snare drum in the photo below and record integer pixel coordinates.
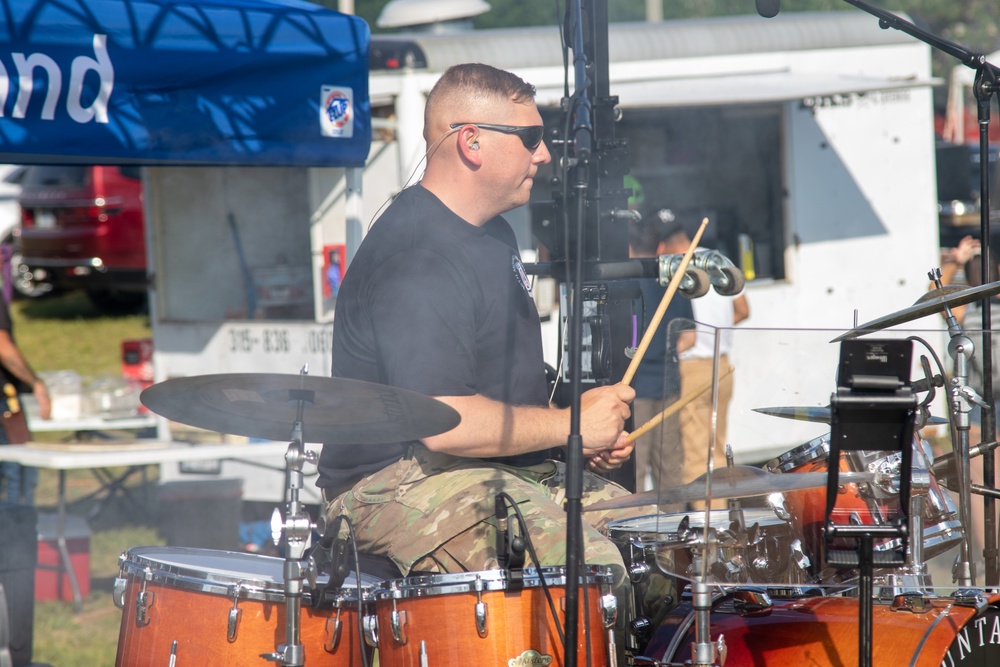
(767, 552)
(482, 618)
(823, 631)
(865, 504)
(221, 608)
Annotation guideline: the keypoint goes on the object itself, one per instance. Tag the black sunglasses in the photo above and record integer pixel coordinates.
(530, 135)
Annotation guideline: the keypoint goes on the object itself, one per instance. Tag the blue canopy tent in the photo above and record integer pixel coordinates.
(183, 82)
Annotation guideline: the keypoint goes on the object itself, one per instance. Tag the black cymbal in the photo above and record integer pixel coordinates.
(812, 413)
(334, 410)
(930, 303)
(735, 482)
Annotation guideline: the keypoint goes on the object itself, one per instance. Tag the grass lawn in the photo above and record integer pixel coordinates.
(66, 333)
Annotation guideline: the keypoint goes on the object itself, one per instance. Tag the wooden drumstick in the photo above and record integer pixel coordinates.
(674, 408)
(672, 286)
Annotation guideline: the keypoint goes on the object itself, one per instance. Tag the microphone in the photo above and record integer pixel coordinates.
(768, 8)
(503, 555)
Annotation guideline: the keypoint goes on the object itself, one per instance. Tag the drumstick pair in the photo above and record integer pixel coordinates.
(654, 323)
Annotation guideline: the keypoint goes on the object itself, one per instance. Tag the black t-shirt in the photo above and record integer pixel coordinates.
(435, 305)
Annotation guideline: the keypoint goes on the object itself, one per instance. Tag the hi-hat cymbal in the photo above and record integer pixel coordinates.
(334, 410)
(735, 482)
(813, 413)
(930, 303)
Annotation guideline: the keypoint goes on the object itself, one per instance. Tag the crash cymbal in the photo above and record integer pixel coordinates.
(812, 413)
(735, 482)
(928, 304)
(265, 406)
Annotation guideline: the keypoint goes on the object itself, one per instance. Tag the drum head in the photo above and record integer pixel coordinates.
(221, 572)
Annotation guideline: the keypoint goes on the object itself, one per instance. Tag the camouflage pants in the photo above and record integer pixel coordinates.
(435, 512)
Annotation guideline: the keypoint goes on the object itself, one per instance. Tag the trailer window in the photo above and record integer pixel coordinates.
(720, 163)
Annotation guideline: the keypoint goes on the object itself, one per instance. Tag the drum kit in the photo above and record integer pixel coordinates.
(745, 585)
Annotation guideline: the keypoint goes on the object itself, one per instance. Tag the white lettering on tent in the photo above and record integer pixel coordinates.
(26, 83)
(80, 67)
(99, 107)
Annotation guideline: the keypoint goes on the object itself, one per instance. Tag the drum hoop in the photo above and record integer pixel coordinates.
(485, 580)
(817, 448)
(244, 585)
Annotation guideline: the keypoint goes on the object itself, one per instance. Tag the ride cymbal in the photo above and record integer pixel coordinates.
(735, 482)
(266, 406)
(813, 413)
(930, 303)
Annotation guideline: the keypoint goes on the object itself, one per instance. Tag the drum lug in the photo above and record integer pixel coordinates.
(481, 618)
(235, 614)
(609, 609)
(334, 635)
(233, 624)
(397, 622)
(721, 650)
(143, 601)
(370, 625)
(481, 608)
(915, 602)
(118, 593)
(970, 597)
(638, 572)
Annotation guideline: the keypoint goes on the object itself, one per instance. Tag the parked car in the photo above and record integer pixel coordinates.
(82, 228)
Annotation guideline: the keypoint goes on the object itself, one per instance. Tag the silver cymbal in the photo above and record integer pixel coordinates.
(812, 413)
(735, 482)
(928, 304)
(334, 410)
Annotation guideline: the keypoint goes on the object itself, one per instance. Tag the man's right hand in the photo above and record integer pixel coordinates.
(603, 411)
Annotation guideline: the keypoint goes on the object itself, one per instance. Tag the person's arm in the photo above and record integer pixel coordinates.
(17, 365)
(490, 428)
(741, 309)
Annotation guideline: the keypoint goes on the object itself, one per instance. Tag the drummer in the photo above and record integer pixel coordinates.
(437, 301)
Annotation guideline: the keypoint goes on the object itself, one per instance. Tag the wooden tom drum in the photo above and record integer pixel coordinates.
(223, 608)
(482, 618)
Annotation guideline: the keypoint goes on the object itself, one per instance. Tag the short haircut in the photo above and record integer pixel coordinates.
(462, 84)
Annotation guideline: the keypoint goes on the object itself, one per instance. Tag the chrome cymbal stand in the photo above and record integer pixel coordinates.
(960, 399)
(297, 527)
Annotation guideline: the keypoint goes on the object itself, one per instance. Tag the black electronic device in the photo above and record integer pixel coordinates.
(874, 408)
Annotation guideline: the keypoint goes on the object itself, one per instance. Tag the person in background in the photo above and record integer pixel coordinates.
(717, 313)
(659, 453)
(17, 377)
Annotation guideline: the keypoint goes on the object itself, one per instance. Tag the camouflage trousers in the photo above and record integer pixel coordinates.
(435, 513)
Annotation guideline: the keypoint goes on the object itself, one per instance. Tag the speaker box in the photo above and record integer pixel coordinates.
(18, 525)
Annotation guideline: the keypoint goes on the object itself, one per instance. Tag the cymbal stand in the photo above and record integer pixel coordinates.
(297, 527)
(960, 399)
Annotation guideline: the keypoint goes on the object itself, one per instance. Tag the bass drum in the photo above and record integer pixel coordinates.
(823, 631)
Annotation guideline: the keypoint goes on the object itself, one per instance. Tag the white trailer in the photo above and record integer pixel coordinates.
(809, 135)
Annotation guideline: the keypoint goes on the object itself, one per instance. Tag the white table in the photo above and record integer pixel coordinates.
(134, 423)
(139, 453)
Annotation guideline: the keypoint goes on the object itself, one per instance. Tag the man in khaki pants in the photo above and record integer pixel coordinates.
(712, 312)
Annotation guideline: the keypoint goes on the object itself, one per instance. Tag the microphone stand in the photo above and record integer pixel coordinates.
(581, 140)
(985, 86)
